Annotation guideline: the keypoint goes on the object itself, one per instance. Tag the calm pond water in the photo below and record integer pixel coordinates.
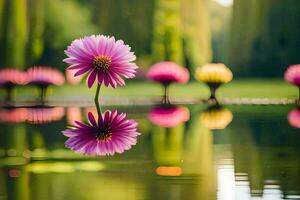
(183, 152)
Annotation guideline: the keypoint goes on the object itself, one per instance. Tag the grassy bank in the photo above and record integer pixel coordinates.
(251, 88)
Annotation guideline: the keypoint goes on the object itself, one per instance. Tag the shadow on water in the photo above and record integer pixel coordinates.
(183, 152)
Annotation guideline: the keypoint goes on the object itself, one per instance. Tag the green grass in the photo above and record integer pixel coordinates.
(251, 88)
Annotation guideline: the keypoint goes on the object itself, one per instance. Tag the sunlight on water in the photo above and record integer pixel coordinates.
(226, 3)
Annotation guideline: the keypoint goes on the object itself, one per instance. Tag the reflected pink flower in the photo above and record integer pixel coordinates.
(13, 77)
(294, 118)
(168, 72)
(169, 116)
(71, 79)
(13, 115)
(111, 133)
(44, 115)
(45, 76)
(101, 57)
(292, 74)
(73, 114)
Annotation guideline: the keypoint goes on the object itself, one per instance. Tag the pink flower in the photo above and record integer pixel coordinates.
(72, 79)
(169, 116)
(73, 114)
(294, 118)
(101, 57)
(13, 77)
(13, 115)
(168, 72)
(45, 76)
(111, 133)
(44, 115)
(292, 74)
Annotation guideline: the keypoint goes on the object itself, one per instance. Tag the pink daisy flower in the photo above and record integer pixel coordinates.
(111, 133)
(12, 77)
(45, 76)
(101, 57)
(44, 115)
(169, 116)
(168, 72)
(292, 74)
(294, 118)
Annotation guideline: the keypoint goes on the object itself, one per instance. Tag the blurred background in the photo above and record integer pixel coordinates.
(256, 38)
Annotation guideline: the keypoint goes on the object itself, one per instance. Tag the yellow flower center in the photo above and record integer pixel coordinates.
(102, 63)
(104, 136)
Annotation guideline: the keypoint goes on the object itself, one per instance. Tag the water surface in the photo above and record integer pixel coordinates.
(183, 152)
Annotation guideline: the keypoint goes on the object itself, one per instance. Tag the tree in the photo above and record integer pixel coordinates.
(167, 33)
(265, 37)
(36, 32)
(196, 33)
(14, 35)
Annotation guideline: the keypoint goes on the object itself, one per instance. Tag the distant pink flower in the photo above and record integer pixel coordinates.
(73, 114)
(71, 79)
(44, 115)
(13, 77)
(101, 57)
(292, 74)
(13, 115)
(294, 118)
(45, 76)
(168, 72)
(111, 133)
(168, 116)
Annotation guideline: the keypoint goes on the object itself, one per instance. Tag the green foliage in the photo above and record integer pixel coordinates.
(167, 34)
(65, 20)
(36, 40)
(196, 33)
(14, 33)
(2, 4)
(265, 37)
(129, 20)
(277, 45)
(220, 23)
(242, 34)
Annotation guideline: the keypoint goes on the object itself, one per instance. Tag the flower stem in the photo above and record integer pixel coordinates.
(9, 91)
(299, 94)
(96, 99)
(166, 93)
(43, 94)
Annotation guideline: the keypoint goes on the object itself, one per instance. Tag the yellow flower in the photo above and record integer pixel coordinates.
(216, 118)
(214, 73)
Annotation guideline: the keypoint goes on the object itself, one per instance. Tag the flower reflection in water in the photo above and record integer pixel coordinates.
(13, 115)
(111, 133)
(34, 115)
(168, 171)
(42, 115)
(168, 116)
(73, 114)
(216, 117)
(294, 118)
